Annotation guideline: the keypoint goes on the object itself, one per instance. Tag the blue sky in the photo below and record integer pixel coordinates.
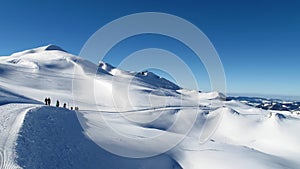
(257, 41)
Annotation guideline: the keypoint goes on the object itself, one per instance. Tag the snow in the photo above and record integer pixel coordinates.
(131, 114)
(70, 148)
(11, 118)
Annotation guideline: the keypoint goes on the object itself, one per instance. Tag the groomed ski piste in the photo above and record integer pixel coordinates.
(224, 134)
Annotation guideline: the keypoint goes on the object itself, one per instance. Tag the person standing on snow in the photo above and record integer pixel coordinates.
(57, 103)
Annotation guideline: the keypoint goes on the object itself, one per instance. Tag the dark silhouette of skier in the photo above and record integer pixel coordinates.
(57, 103)
(65, 105)
(49, 101)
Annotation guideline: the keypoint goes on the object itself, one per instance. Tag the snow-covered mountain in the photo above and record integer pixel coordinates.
(132, 114)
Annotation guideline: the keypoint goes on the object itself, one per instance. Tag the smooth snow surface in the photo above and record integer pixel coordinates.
(132, 115)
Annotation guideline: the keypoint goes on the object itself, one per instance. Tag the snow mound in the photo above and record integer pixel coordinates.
(280, 116)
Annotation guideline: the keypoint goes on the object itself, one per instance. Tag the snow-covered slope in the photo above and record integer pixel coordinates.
(131, 114)
(53, 138)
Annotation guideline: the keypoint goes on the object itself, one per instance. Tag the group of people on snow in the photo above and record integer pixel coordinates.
(48, 102)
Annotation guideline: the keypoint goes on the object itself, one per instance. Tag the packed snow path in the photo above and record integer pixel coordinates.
(11, 119)
(52, 137)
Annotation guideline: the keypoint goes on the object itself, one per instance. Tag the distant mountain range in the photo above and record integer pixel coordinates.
(268, 104)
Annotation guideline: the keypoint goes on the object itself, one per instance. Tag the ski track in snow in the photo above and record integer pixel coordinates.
(11, 119)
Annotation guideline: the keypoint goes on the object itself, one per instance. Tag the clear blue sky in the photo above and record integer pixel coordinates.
(258, 41)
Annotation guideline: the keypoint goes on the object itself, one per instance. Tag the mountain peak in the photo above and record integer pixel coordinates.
(49, 47)
(53, 47)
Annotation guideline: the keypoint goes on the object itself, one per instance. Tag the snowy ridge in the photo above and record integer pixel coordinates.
(138, 106)
(38, 50)
(147, 77)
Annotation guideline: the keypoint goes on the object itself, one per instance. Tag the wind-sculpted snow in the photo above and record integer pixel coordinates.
(135, 114)
(7, 97)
